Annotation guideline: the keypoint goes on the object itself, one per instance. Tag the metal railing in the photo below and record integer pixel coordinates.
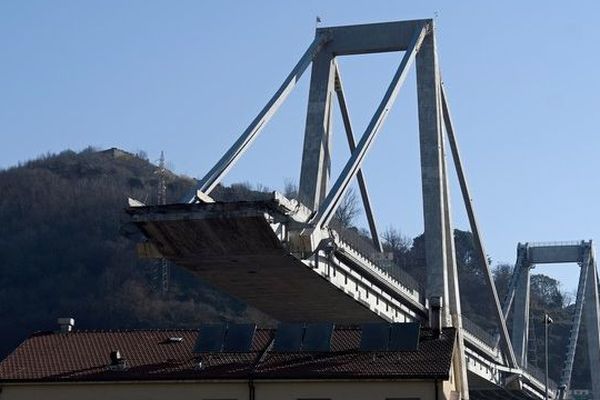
(365, 248)
(477, 331)
(489, 339)
(559, 243)
(540, 375)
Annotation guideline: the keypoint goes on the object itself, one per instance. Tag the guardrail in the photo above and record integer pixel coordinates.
(489, 339)
(540, 375)
(480, 333)
(362, 246)
(560, 243)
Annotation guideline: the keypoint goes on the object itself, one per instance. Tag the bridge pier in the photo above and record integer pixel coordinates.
(520, 323)
(592, 323)
(316, 159)
(434, 206)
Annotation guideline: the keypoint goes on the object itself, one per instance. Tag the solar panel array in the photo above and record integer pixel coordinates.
(317, 337)
(210, 338)
(294, 337)
(405, 337)
(239, 337)
(288, 337)
(224, 337)
(291, 337)
(375, 337)
(390, 336)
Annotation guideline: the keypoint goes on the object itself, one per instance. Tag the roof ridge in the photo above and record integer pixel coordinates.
(127, 330)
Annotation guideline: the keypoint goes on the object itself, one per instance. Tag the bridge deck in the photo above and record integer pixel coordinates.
(233, 247)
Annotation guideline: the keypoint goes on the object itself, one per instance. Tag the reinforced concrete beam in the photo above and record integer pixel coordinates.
(520, 266)
(455, 309)
(362, 183)
(373, 38)
(506, 344)
(549, 254)
(592, 324)
(316, 159)
(214, 176)
(430, 140)
(520, 326)
(565, 378)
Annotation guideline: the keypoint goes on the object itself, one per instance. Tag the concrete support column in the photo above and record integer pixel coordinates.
(314, 174)
(430, 136)
(460, 369)
(520, 323)
(592, 324)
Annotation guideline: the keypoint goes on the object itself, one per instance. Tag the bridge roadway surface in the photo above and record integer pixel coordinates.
(246, 249)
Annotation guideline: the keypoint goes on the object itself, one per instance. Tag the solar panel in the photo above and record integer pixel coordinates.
(405, 336)
(375, 336)
(210, 338)
(288, 337)
(317, 337)
(239, 337)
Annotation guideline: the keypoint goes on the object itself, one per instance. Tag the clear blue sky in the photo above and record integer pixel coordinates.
(187, 77)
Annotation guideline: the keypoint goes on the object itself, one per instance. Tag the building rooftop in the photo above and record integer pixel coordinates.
(158, 355)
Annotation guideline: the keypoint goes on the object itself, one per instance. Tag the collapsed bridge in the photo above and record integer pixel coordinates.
(286, 258)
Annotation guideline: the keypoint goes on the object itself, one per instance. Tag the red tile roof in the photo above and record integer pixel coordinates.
(85, 356)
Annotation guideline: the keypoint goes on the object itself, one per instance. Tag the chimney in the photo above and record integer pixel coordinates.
(435, 314)
(66, 324)
(117, 361)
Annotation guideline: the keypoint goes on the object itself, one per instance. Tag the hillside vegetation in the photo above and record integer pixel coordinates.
(64, 252)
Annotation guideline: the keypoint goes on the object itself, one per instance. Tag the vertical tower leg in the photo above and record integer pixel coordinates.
(565, 378)
(430, 136)
(314, 175)
(592, 324)
(520, 325)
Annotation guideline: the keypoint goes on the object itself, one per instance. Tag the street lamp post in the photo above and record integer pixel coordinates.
(547, 322)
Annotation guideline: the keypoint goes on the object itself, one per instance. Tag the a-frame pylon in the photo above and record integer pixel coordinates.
(417, 40)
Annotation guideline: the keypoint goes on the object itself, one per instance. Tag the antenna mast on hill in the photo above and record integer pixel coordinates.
(161, 199)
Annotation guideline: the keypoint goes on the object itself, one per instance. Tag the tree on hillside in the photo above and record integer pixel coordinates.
(394, 241)
(348, 209)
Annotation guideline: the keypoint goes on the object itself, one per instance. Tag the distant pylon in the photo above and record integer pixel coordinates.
(161, 196)
(161, 199)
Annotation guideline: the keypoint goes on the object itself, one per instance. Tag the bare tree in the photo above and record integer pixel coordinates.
(348, 209)
(394, 241)
(290, 189)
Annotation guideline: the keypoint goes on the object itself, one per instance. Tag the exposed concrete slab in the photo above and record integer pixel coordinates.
(234, 248)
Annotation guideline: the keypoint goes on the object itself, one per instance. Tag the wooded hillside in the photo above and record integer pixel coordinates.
(64, 252)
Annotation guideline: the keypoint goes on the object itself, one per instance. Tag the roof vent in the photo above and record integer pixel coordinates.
(175, 339)
(66, 324)
(201, 363)
(117, 361)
